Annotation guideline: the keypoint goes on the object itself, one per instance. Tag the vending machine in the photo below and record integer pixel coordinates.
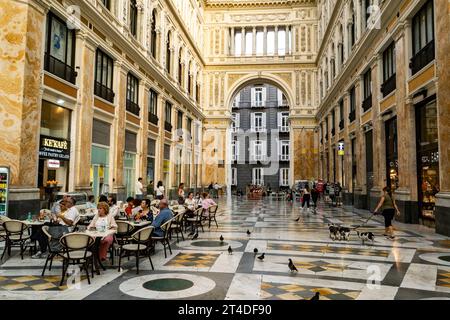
(4, 188)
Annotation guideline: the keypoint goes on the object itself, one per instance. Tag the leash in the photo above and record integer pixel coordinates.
(370, 218)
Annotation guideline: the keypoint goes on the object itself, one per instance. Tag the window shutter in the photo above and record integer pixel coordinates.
(280, 120)
(262, 176)
(281, 177)
(280, 97)
(253, 96)
(238, 120)
(237, 149)
(264, 150)
(252, 150)
(252, 121)
(264, 96)
(264, 121)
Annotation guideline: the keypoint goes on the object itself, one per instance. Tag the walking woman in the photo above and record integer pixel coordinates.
(306, 197)
(315, 197)
(389, 208)
(181, 198)
(159, 190)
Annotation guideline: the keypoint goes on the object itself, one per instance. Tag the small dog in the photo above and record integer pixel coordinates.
(345, 233)
(334, 232)
(366, 236)
(339, 233)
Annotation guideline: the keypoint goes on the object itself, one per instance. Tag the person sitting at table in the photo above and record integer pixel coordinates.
(190, 204)
(164, 215)
(103, 220)
(91, 203)
(113, 207)
(56, 208)
(61, 224)
(207, 203)
(129, 207)
(103, 198)
(144, 212)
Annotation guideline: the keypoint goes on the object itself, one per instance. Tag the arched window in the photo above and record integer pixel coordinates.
(153, 35)
(168, 53)
(189, 79)
(180, 67)
(133, 17)
(352, 26)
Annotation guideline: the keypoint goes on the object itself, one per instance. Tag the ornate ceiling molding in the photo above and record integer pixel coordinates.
(255, 3)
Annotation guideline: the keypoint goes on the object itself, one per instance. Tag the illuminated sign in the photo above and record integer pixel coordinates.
(54, 148)
(53, 164)
(341, 151)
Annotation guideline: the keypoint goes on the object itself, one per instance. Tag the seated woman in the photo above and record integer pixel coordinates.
(207, 203)
(190, 205)
(145, 213)
(103, 221)
(129, 207)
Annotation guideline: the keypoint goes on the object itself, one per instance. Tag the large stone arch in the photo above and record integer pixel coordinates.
(266, 78)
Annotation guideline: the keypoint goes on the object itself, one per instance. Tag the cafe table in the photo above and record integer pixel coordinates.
(99, 236)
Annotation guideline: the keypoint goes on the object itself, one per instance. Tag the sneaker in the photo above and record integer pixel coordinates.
(38, 255)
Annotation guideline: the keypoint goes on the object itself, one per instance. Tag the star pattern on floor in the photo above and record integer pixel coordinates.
(443, 278)
(282, 291)
(329, 249)
(197, 260)
(34, 283)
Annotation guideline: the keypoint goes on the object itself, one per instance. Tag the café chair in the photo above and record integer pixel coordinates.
(165, 239)
(17, 235)
(142, 243)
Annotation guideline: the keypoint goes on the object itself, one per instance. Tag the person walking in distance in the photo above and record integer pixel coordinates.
(315, 197)
(388, 210)
(306, 197)
(139, 189)
(159, 190)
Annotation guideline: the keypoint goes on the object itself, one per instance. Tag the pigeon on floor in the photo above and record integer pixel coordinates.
(191, 234)
(297, 220)
(316, 296)
(221, 238)
(195, 236)
(248, 232)
(230, 251)
(292, 267)
(255, 251)
(261, 257)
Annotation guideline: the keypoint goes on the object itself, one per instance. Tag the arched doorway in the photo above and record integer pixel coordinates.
(260, 139)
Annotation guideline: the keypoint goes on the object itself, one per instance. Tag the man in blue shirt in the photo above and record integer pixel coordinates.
(164, 215)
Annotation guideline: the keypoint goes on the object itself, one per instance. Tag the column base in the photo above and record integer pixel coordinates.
(87, 189)
(375, 195)
(360, 200)
(409, 209)
(348, 199)
(442, 213)
(22, 201)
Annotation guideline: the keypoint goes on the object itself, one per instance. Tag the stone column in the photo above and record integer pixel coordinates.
(232, 42)
(347, 185)
(142, 138)
(443, 104)
(84, 114)
(276, 41)
(304, 154)
(117, 148)
(294, 38)
(243, 41)
(254, 42)
(379, 147)
(159, 160)
(360, 191)
(288, 51)
(21, 65)
(406, 194)
(265, 41)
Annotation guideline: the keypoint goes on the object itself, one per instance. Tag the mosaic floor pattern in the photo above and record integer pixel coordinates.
(416, 265)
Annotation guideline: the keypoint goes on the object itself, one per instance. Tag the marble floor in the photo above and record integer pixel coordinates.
(416, 265)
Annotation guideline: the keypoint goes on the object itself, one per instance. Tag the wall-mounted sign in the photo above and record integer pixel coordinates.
(54, 148)
(341, 151)
(4, 190)
(166, 166)
(53, 164)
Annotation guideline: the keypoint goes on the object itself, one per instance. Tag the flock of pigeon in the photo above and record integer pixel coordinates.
(291, 265)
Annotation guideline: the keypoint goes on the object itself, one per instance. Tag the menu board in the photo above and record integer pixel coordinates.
(4, 185)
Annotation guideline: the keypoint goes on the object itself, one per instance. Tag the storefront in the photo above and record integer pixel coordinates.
(54, 151)
(369, 166)
(100, 158)
(166, 167)
(129, 163)
(391, 153)
(427, 159)
(151, 153)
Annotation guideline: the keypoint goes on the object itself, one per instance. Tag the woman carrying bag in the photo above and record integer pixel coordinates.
(389, 209)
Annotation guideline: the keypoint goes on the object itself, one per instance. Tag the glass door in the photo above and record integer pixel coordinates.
(4, 186)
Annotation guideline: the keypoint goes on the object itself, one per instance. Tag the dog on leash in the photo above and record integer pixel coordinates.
(366, 236)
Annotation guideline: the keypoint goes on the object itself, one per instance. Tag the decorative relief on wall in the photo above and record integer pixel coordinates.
(232, 78)
(286, 76)
(260, 17)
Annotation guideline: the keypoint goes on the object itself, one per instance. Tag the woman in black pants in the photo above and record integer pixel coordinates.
(315, 197)
(389, 208)
(306, 197)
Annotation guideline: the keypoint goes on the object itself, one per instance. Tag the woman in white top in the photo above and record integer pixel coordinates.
(190, 204)
(103, 221)
(160, 191)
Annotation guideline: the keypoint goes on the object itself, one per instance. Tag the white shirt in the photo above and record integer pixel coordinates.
(139, 188)
(101, 223)
(114, 211)
(71, 214)
(160, 191)
(190, 204)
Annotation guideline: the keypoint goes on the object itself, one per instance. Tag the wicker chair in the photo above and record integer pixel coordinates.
(76, 249)
(177, 225)
(17, 235)
(52, 250)
(196, 220)
(142, 243)
(165, 240)
(212, 211)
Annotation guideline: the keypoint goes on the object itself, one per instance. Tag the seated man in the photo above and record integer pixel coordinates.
(164, 215)
(114, 209)
(63, 222)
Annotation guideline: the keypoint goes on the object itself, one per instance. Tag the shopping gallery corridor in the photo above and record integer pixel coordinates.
(416, 265)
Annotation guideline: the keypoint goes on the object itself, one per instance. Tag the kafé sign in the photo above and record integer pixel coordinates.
(54, 148)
